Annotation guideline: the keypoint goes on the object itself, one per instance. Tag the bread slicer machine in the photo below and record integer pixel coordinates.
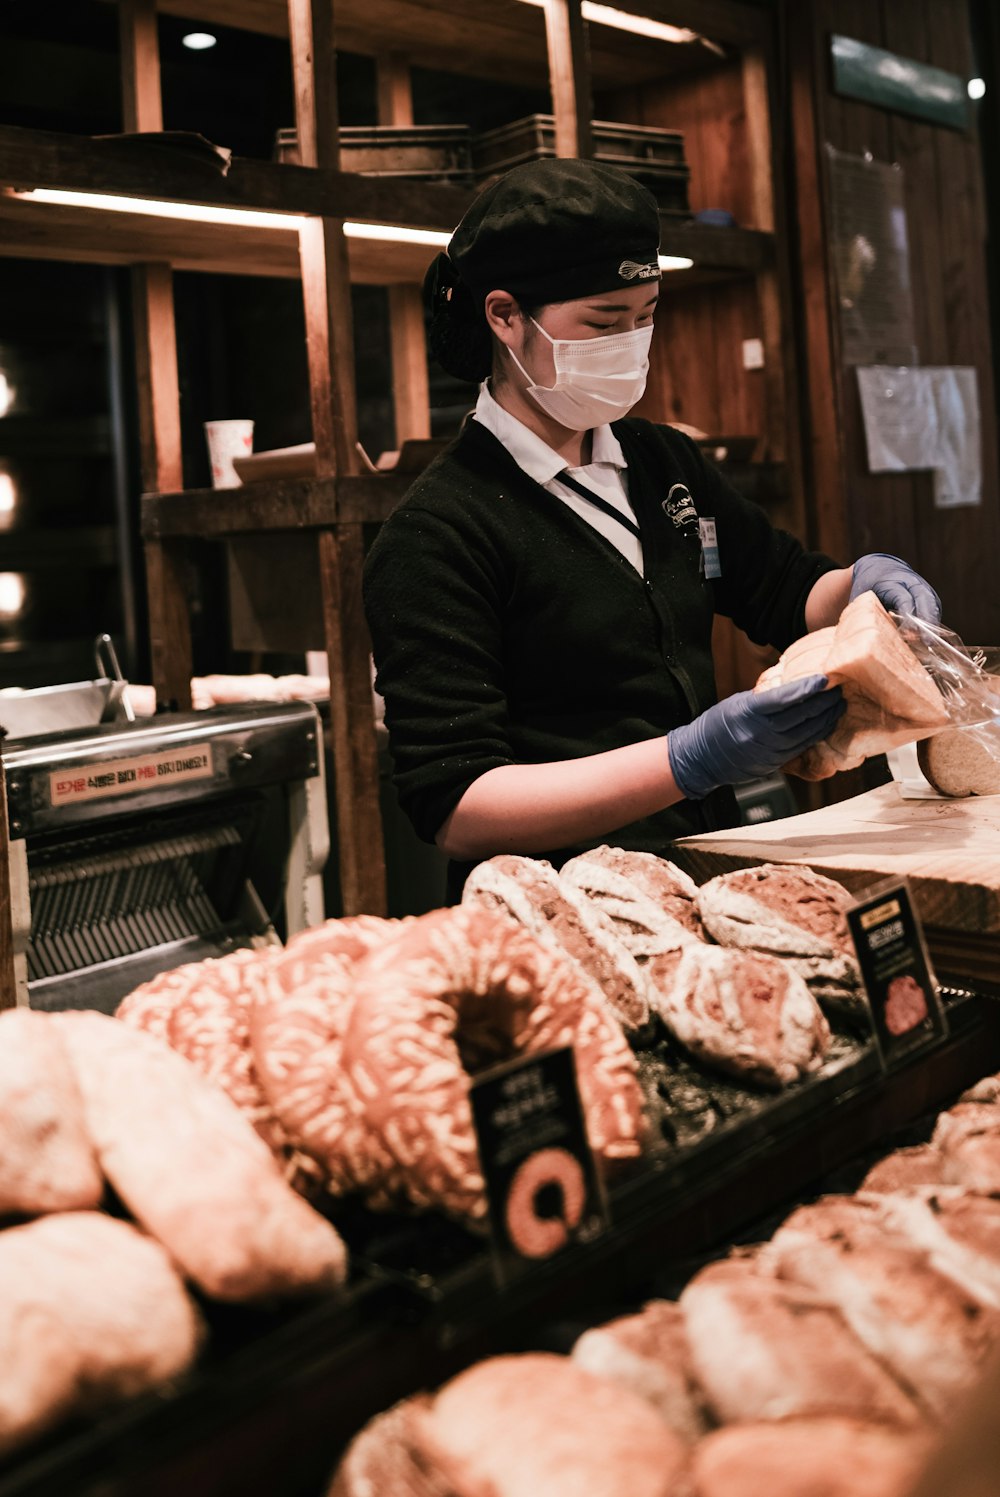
(136, 846)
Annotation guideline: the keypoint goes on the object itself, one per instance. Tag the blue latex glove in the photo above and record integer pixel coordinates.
(897, 586)
(748, 735)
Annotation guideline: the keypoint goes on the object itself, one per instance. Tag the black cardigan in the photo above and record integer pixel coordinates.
(506, 630)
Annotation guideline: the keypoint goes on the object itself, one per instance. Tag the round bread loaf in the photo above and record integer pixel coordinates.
(648, 1354)
(792, 912)
(651, 904)
(541, 1425)
(962, 761)
(904, 1168)
(462, 989)
(746, 1012)
(533, 893)
(381, 1461)
(807, 1458)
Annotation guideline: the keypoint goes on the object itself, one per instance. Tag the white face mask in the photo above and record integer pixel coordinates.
(597, 379)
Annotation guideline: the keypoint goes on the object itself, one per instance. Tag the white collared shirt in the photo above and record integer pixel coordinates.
(606, 474)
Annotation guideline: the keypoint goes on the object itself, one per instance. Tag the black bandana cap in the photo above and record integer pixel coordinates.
(552, 231)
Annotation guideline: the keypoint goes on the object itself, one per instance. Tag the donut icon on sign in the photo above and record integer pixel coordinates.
(545, 1202)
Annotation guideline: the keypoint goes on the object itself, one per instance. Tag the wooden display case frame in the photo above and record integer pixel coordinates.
(333, 507)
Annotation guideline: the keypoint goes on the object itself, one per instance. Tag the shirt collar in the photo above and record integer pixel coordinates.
(531, 454)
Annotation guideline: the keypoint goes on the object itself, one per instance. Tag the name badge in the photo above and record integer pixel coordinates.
(710, 565)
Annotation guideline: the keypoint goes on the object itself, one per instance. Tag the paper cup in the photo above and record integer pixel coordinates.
(226, 440)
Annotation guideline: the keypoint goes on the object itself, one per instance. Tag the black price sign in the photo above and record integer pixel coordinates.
(543, 1187)
(895, 968)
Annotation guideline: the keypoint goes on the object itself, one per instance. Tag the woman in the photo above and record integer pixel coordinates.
(541, 603)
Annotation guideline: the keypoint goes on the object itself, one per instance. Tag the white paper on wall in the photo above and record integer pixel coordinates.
(925, 418)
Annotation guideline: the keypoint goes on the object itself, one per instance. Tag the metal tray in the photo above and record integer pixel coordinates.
(51, 709)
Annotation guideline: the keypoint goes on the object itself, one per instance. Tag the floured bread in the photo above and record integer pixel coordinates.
(920, 1165)
(931, 1334)
(794, 913)
(746, 1012)
(891, 698)
(648, 1353)
(764, 1349)
(807, 1458)
(533, 893)
(541, 1425)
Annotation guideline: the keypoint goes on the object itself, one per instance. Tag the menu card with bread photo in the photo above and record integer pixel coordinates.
(896, 970)
(542, 1183)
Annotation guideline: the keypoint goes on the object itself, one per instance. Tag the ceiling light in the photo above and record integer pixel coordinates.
(248, 218)
(8, 495)
(12, 594)
(623, 20)
(675, 262)
(199, 41)
(6, 394)
(396, 233)
(977, 88)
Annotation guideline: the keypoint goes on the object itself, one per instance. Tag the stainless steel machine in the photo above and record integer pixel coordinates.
(136, 846)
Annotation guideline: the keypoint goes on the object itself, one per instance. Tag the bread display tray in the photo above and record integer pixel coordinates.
(277, 1394)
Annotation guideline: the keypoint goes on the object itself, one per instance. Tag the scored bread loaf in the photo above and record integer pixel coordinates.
(932, 1335)
(91, 1311)
(648, 1353)
(192, 1170)
(746, 1012)
(891, 699)
(764, 1349)
(807, 1458)
(47, 1161)
(791, 912)
(534, 894)
(540, 1424)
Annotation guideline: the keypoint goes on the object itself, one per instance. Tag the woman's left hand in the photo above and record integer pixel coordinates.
(896, 585)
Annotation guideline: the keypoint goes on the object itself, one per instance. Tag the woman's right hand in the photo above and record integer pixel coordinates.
(750, 735)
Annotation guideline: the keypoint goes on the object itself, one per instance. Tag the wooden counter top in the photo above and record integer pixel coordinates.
(949, 850)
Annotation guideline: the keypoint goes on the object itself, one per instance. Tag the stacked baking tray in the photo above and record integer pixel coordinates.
(454, 153)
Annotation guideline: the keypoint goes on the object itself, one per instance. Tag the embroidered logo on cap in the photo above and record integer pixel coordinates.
(680, 506)
(631, 270)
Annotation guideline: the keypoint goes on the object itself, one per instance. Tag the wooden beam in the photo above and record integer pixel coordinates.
(823, 452)
(326, 295)
(169, 622)
(156, 372)
(158, 385)
(142, 105)
(352, 724)
(395, 91)
(410, 387)
(129, 168)
(8, 985)
(569, 74)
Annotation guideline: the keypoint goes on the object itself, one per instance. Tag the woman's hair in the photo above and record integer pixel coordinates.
(459, 336)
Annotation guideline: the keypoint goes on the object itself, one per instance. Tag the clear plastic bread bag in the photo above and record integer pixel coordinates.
(970, 690)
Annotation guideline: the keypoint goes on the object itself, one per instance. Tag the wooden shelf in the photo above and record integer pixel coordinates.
(494, 34)
(129, 168)
(51, 231)
(278, 504)
(57, 232)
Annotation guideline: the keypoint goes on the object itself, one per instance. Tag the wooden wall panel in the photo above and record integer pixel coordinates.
(947, 232)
